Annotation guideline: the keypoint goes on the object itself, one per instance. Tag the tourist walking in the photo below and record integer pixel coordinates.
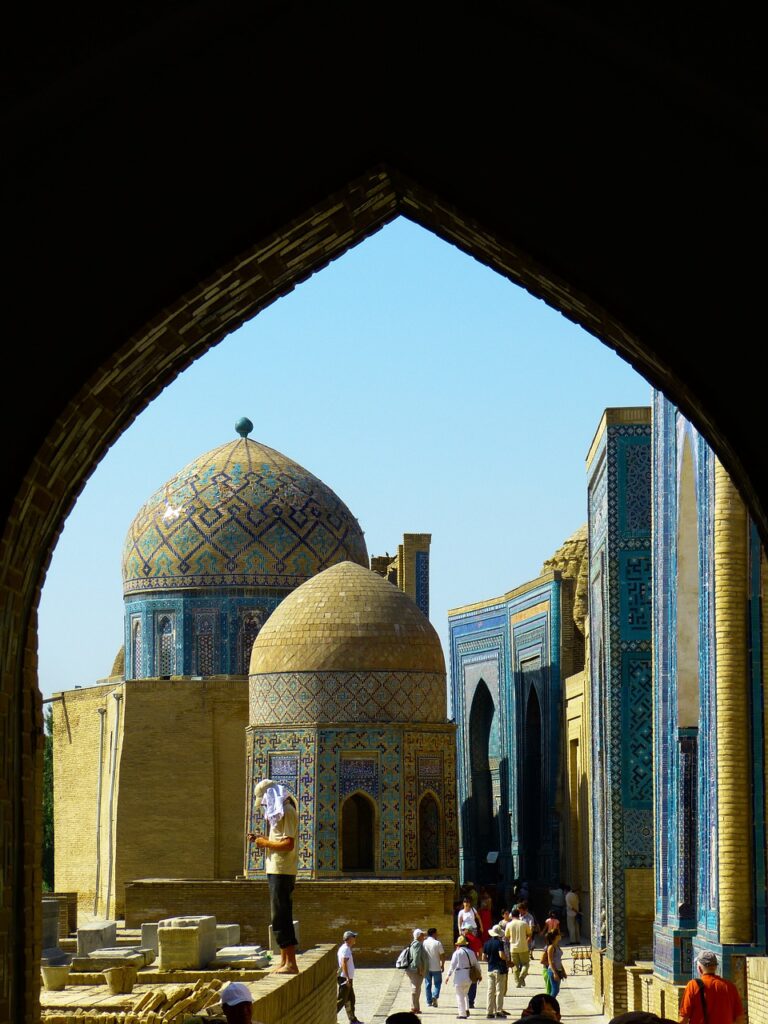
(434, 979)
(530, 920)
(346, 975)
(518, 934)
(418, 965)
(462, 960)
(555, 969)
(722, 999)
(469, 925)
(572, 915)
(493, 950)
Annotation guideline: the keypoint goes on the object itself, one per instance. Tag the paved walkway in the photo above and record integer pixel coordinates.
(383, 990)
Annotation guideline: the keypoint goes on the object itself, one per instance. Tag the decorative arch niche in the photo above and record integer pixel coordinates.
(358, 834)
(430, 833)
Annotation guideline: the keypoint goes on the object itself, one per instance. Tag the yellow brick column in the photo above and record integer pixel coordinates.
(734, 808)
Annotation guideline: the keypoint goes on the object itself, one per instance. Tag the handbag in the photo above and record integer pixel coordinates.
(475, 974)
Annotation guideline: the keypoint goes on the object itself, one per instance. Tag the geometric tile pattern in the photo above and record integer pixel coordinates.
(430, 766)
(293, 698)
(422, 581)
(239, 515)
(285, 750)
(620, 637)
(384, 746)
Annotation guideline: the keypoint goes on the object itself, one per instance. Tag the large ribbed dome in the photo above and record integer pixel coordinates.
(239, 515)
(347, 619)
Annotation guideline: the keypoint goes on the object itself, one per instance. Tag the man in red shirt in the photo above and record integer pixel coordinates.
(722, 997)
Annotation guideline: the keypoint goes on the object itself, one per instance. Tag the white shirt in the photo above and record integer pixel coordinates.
(460, 961)
(466, 919)
(434, 948)
(345, 953)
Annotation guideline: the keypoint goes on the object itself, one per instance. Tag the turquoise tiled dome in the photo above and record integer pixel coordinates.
(240, 515)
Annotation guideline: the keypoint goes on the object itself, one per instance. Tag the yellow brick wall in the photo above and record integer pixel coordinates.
(76, 725)
(639, 912)
(757, 989)
(182, 780)
(614, 987)
(665, 998)
(179, 799)
(383, 912)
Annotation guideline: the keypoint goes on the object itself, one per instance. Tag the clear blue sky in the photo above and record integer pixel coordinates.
(431, 394)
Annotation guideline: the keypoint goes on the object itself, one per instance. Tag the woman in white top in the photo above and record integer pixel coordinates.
(463, 958)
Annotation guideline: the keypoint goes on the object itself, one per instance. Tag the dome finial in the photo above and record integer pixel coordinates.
(244, 426)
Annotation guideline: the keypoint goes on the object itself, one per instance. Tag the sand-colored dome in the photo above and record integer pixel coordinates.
(347, 619)
(240, 515)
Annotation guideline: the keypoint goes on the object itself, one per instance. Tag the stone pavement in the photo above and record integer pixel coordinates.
(380, 991)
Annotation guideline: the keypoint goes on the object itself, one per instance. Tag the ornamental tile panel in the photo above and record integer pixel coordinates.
(292, 698)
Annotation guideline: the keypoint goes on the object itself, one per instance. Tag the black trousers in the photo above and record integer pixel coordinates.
(281, 906)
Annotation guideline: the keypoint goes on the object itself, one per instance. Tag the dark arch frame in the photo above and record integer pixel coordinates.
(126, 226)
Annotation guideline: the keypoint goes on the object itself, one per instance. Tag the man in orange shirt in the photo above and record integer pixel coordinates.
(722, 998)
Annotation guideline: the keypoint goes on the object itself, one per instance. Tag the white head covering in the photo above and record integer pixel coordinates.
(417, 932)
(272, 796)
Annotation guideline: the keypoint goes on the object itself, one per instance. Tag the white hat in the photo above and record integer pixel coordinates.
(236, 992)
(417, 932)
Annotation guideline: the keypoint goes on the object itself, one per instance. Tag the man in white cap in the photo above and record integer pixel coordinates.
(237, 1003)
(720, 997)
(346, 977)
(281, 865)
(418, 965)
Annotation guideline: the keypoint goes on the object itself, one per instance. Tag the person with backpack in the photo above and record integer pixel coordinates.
(418, 966)
(463, 966)
(710, 999)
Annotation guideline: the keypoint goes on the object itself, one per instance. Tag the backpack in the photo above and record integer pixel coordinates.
(404, 958)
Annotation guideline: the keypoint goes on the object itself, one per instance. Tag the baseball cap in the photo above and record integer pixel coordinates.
(236, 992)
(349, 935)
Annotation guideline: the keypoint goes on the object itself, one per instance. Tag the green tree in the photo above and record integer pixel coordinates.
(48, 802)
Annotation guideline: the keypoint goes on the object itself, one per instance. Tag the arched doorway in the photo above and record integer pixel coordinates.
(532, 789)
(484, 833)
(358, 825)
(429, 833)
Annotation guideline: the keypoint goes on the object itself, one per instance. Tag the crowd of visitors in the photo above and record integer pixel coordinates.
(506, 948)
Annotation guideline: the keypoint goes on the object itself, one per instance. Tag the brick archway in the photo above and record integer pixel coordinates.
(105, 129)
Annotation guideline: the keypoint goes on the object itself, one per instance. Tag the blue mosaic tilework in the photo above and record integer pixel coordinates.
(637, 712)
(488, 636)
(685, 760)
(422, 581)
(281, 749)
(233, 617)
(239, 515)
(383, 746)
(359, 773)
(620, 620)
(635, 595)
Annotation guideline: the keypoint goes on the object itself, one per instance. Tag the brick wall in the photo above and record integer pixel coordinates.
(383, 912)
(639, 913)
(757, 989)
(615, 987)
(179, 791)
